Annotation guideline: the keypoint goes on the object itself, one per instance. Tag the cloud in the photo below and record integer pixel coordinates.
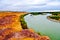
(29, 5)
(54, 3)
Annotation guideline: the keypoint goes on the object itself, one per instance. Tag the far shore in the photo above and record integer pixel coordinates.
(52, 19)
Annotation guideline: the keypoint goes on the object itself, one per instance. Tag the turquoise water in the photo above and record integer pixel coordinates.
(41, 24)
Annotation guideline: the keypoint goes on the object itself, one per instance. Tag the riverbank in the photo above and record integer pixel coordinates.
(48, 17)
(22, 21)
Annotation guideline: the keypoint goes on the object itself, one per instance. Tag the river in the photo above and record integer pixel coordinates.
(41, 24)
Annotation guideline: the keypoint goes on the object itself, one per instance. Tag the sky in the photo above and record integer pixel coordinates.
(29, 5)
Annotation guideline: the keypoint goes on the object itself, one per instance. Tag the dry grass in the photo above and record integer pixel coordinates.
(16, 24)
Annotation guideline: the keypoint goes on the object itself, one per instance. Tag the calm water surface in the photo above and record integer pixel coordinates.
(41, 24)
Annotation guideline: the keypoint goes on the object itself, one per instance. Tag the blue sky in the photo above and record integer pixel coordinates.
(29, 5)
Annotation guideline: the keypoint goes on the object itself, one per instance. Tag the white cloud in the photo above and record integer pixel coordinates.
(35, 1)
(23, 2)
(23, 5)
(54, 3)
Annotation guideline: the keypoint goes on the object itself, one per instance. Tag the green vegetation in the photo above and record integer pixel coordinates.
(38, 33)
(35, 13)
(55, 15)
(23, 23)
